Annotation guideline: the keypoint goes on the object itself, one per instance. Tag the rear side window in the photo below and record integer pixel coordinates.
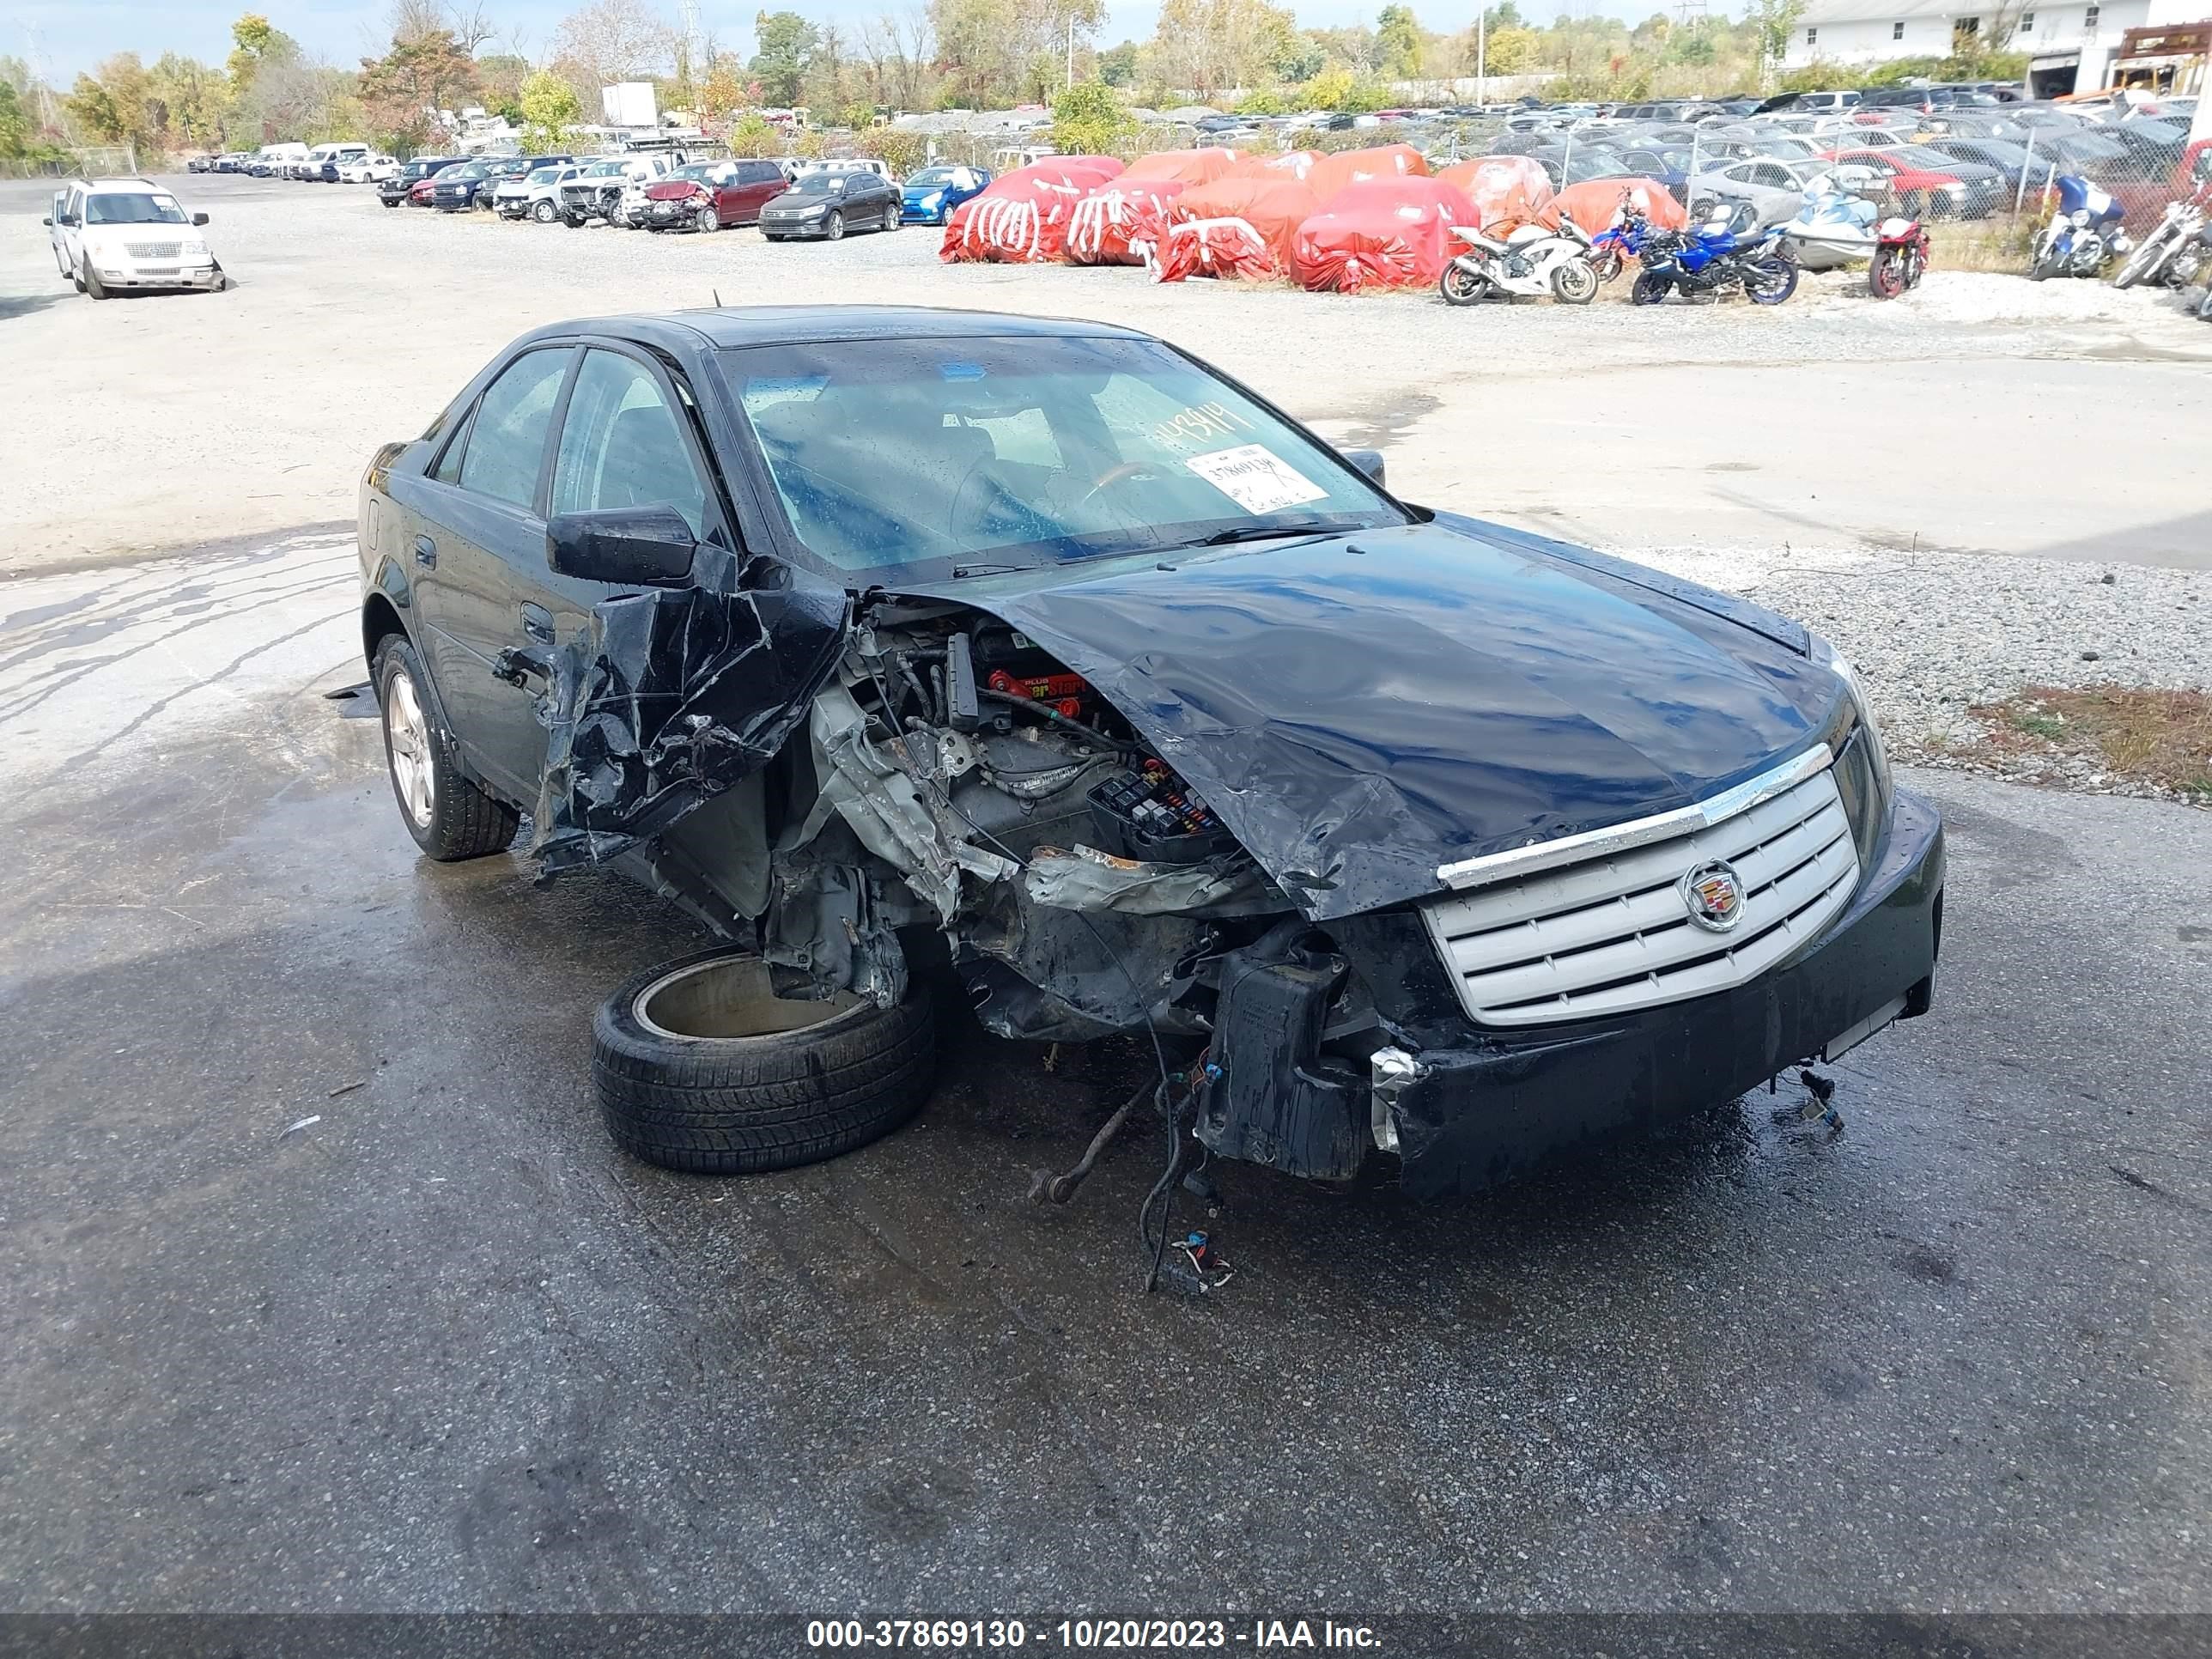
(622, 444)
(503, 449)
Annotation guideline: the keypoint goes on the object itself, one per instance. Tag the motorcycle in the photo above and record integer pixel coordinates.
(1529, 260)
(2084, 232)
(1715, 256)
(1622, 239)
(2160, 252)
(1900, 257)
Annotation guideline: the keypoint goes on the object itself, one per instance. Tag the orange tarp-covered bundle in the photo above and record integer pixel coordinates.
(1290, 164)
(1273, 207)
(1122, 223)
(1333, 172)
(1184, 166)
(1506, 189)
(1596, 203)
(1212, 247)
(1023, 215)
(1383, 233)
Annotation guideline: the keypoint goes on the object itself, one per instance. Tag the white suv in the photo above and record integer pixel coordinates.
(113, 233)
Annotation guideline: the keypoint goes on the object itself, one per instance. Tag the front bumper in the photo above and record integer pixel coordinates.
(805, 227)
(159, 276)
(1465, 1118)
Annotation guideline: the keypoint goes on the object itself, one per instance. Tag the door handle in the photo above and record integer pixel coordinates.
(538, 623)
(426, 553)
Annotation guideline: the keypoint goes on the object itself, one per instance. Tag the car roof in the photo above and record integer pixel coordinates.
(731, 326)
(125, 186)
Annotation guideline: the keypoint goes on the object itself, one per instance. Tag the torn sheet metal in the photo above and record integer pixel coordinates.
(895, 818)
(1085, 878)
(1361, 709)
(676, 694)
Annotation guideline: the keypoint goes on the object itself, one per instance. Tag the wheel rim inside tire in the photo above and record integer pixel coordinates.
(729, 999)
(408, 733)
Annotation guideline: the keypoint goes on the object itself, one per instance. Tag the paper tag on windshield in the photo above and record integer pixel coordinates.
(1256, 478)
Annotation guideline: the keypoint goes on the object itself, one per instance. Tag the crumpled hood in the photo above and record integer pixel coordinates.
(1361, 709)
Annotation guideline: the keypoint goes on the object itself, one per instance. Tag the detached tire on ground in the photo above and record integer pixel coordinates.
(699, 1066)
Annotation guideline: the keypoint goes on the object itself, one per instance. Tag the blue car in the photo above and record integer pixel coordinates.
(930, 195)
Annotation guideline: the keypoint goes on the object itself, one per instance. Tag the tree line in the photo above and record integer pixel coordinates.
(1251, 55)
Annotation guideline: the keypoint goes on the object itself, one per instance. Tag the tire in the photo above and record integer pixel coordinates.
(676, 1091)
(545, 212)
(2142, 263)
(1574, 283)
(1770, 281)
(450, 817)
(1461, 286)
(1607, 264)
(1651, 287)
(393, 203)
(91, 283)
(574, 221)
(890, 218)
(1886, 277)
(833, 227)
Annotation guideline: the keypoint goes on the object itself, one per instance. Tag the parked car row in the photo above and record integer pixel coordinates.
(788, 200)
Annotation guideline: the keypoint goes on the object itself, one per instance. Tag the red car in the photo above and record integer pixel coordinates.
(708, 195)
(418, 194)
(1916, 192)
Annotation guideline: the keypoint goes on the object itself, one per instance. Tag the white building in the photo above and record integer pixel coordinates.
(2068, 45)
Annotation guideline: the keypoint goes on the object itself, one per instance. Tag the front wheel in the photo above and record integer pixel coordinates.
(706, 220)
(1606, 265)
(890, 218)
(2143, 264)
(1886, 277)
(700, 1066)
(90, 282)
(1770, 281)
(834, 226)
(1462, 287)
(1574, 283)
(545, 213)
(1651, 287)
(449, 816)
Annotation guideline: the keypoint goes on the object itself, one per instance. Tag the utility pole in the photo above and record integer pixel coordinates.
(1071, 52)
(1481, 52)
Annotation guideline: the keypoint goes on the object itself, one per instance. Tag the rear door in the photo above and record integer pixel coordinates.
(473, 524)
(758, 183)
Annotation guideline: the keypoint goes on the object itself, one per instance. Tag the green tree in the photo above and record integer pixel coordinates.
(787, 44)
(1089, 119)
(255, 40)
(1771, 22)
(1398, 42)
(14, 124)
(1510, 50)
(193, 97)
(402, 92)
(549, 111)
(1117, 65)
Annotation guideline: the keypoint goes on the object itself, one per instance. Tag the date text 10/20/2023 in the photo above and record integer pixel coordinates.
(1008, 1635)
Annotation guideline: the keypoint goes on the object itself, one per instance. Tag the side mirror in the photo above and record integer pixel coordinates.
(199, 218)
(624, 546)
(1368, 462)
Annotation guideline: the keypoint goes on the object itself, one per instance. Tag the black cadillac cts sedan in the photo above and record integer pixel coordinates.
(907, 647)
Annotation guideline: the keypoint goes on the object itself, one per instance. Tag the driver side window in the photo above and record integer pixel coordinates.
(622, 444)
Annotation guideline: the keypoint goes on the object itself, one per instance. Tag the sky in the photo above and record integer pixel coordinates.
(72, 35)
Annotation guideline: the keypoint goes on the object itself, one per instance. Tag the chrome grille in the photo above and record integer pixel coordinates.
(1613, 932)
(153, 250)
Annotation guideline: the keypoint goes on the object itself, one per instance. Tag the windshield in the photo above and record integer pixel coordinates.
(700, 172)
(911, 457)
(932, 176)
(542, 176)
(119, 209)
(602, 170)
(818, 184)
(464, 174)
